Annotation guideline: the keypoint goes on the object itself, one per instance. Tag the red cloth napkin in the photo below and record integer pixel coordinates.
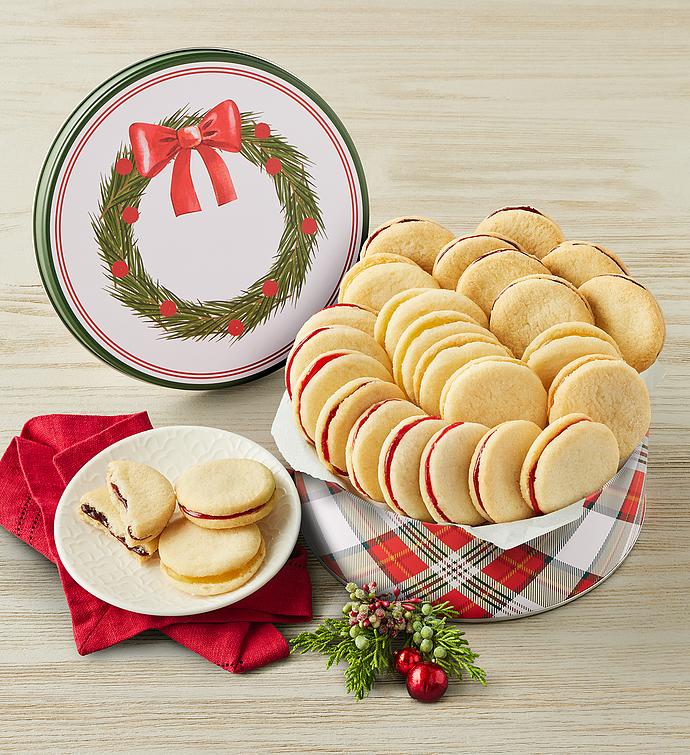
(34, 471)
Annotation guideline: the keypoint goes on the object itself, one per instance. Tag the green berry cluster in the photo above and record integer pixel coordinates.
(424, 631)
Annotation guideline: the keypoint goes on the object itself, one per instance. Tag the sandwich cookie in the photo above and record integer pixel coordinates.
(371, 282)
(146, 498)
(488, 275)
(453, 259)
(569, 460)
(608, 390)
(327, 338)
(366, 439)
(444, 473)
(351, 315)
(560, 344)
(399, 464)
(326, 374)
(203, 561)
(226, 493)
(530, 229)
(96, 508)
(578, 261)
(494, 476)
(629, 313)
(405, 311)
(530, 305)
(491, 390)
(447, 357)
(339, 414)
(418, 238)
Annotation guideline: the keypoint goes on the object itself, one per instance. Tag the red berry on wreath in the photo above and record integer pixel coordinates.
(235, 327)
(309, 226)
(405, 659)
(427, 682)
(168, 308)
(120, 269)
(273, 166)
(130, 214)
(262, 131)
(270, 287)
(123, 166)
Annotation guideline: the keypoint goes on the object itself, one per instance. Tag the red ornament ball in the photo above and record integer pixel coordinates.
(262, 131)
(405, 659)
(273, 166)
(235, 327)
(120, 269)
(309, 226)
(168, 308)
(123, 166)
(270, 287)
(427, 682)
(130, 214)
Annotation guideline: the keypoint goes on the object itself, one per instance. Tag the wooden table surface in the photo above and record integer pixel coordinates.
(582, 109)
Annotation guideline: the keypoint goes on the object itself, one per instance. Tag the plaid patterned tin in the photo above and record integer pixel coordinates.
(359, 541)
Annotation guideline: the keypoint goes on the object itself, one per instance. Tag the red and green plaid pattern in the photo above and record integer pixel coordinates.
(359, 542)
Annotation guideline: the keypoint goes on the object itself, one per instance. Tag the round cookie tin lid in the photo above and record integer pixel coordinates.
(193, 212)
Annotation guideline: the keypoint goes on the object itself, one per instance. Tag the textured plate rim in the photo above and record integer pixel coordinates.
(287, 540)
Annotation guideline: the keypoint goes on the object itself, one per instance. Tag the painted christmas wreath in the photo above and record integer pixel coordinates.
(152, 147)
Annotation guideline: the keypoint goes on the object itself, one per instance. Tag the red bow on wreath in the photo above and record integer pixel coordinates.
(155, 146)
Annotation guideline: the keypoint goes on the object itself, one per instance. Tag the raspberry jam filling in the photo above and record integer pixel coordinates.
(386, 227)
(427, 471)
(360, 423)
(526, 208)
(101, 518)
(511, 244)
(388, 461)
(475, 472)
(200, 515)
(295, 351)
(325, 450)
(316, 367)
(119, 495)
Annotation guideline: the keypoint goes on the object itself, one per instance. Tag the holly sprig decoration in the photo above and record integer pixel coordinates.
(373, 626)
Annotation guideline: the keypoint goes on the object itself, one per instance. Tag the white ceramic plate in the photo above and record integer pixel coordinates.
(103, 567)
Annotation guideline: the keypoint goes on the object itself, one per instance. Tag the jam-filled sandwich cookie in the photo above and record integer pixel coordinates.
(351, 315)
(96, 508)
(444, 473)
(146, 498)
(372, 281)
(454, 258)
(530, 305)
(569, 460)
(366, 439)
(578, 261)
(325, 375)
(530, 229)
(607, 390)
(399, 464)
(406, 307)
(420, 239)
(207, 561)
(327, 338)
(339, 414)
(226, 493)
(628, 312)
(494, 473)
(560, 344)
(494, 389)
(488, 275)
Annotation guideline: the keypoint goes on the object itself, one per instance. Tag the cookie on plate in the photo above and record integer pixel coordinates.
(146, 498)
(322, 377)
(371, 282)
(530, 305)
(399, 462)
(444, 473)
(494, 389)
(351, 315)
(608, 390)
(327, 338)
(494, 474)
(551, 350)
(485, 278)
(418, 238)
(204, 561)
(578, 261)
(339, 414)
(455, 256)
(226, 493)
(629, 313)
(444, 359)
(96, 508)
(530, 229)
(365, 441)
(569, 460)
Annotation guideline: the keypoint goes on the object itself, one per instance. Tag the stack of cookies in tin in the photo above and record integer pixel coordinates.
(487, 378)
